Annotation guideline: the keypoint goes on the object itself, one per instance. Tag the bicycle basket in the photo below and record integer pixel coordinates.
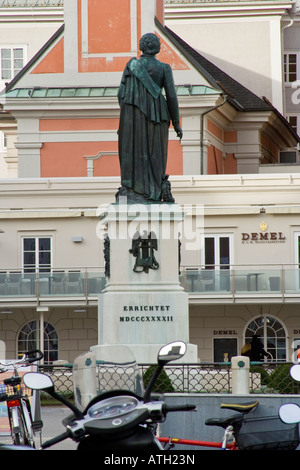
(9, 392)
(260, 430)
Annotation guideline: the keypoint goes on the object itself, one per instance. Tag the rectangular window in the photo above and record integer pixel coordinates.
(217, 251)
(224, 349)
(297, 248)
(288, 156)
(217, 258)
(293, 121)
(209, 247)
(12, 61)
(290, 67)
(292, 276)
(36, 254)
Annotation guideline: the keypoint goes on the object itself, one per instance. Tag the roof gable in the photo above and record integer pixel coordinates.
(238, 95)
(39, 56)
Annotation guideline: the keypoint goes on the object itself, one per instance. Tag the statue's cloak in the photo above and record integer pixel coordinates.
(144, 127)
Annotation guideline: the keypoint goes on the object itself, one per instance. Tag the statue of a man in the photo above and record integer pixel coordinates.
(144, 122)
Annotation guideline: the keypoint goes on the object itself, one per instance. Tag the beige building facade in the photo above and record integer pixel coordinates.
(260, 46)
(239, 262)
(239, 250)
(25, 26)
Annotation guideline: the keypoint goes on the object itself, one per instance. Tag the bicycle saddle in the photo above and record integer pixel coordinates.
(225, 422)
(233, 419)
(241, 407)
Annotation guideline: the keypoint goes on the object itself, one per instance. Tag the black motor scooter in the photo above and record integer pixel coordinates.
(115, 420)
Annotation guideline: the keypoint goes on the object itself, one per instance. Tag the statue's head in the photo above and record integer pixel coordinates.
(150, 44)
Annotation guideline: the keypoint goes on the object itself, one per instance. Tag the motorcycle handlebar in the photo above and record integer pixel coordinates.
(170, 408)
(55, 440)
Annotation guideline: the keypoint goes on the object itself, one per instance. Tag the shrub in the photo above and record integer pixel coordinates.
(281, 381)
(163, 383)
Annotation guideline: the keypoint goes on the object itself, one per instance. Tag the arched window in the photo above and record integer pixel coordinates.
(272, 334)
(29, 339)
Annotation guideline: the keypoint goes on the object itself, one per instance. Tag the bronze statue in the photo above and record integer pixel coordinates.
(143, 250)
(144, 124)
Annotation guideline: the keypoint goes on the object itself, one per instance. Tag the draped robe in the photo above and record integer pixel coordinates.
(145, 116)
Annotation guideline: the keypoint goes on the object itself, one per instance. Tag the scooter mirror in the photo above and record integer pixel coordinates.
(171, 352)
(37, 381)
(289, 413)
(295, 372)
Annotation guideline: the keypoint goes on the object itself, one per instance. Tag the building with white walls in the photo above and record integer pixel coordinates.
(240, 239)
(260, 46)
(25, 26)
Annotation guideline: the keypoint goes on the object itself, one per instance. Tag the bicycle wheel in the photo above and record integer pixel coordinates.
(18, 426)
(29, 432)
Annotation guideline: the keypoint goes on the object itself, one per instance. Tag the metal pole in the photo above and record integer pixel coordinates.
(42, 333)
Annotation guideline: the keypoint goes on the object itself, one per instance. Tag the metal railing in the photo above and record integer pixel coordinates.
(241, 280)
(65, 282)
(62, 376)
(205, 1)
(265, 378)
(224, 281)
(31, 3)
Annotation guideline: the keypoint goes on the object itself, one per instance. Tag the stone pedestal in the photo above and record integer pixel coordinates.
(144, 305)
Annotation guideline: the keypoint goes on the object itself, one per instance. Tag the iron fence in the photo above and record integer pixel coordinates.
(62, 377)
(265, 378)
(273, 378)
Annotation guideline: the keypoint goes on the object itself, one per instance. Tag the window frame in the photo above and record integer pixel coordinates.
(232, 341)
(288, 116)
(37, 267)
(24, 59)
(297, 117)
(31, 339)
(217, 236)
(297, 248)
(287, 64)
(260, 322)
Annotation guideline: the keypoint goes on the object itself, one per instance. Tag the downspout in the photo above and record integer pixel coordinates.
(202, 129)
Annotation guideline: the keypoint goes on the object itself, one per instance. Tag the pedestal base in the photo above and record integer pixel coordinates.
(142, 317)
(144, 308)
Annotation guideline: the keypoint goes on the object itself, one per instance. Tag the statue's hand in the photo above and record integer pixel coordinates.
(178, 131)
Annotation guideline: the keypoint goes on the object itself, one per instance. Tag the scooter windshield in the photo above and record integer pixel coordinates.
(105, 368)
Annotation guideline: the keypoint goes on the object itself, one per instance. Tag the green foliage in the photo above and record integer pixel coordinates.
(264, 376)
(47, 400)
(276, 381)
(163, 383)
(280, 380)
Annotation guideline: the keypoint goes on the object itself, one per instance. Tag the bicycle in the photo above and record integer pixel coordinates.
(231, 423)
(228, 424)
(12, 391)
(252, 427)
